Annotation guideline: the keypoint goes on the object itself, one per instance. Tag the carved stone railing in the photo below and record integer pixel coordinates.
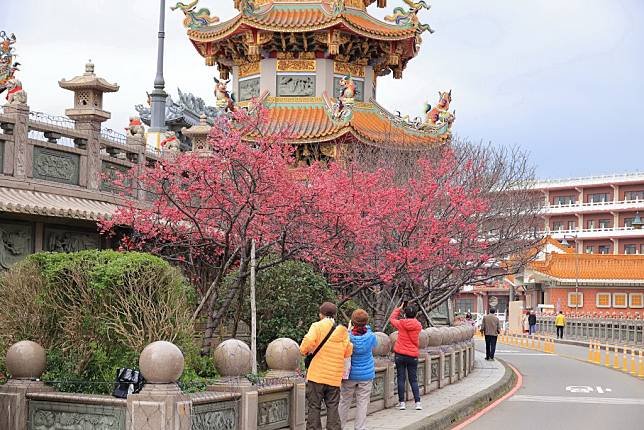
(615, 330)
(39, 148)
(275, 402)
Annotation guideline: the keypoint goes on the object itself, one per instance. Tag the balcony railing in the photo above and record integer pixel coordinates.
(594, 233)
(593, 206)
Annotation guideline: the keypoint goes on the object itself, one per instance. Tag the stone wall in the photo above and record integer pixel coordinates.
(274, 402)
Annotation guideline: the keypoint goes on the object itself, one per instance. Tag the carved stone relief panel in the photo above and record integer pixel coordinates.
(1, 156)
(61, 240)
(248, 89)
(295, 85)
(58, 416)
(421, 375)
(56, 166)
(111, 172)
(378, 388)
(435, 370)
(16, 242)
(273, 411)
(448, 365)
(220, 416)
(337, 89)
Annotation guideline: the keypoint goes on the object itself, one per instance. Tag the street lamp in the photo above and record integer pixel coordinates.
(564, 242)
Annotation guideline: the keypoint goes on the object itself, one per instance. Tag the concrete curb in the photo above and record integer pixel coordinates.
(448, 418)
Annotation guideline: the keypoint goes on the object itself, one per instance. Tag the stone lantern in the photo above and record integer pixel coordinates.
(88, 113)
(88, 96)
(198, 134)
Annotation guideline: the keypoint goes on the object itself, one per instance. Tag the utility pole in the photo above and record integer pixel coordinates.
(158, 95)
(253, 309)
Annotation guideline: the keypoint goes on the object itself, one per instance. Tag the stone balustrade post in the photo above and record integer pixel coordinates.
(18, 150)
(161, 405)
(283, 359)
(25, 363)
(233, 361)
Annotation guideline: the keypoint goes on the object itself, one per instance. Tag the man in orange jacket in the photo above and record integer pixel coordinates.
(324, 376)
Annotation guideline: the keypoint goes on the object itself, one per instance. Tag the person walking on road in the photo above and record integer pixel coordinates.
(491, 328)
(406, 351)
(329, 345)
(560, 323)
(362, 373)
(532, 323)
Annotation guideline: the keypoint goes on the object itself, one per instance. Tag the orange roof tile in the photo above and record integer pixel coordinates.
(591, 266)
(309, 121)
(292, 17)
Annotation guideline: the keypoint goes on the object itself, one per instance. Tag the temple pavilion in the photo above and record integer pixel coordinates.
(315, 65)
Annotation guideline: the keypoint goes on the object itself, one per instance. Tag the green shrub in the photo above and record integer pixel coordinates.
(94, 311)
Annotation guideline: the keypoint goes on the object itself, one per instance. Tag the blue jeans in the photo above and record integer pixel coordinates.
(407, 366)
(532, 329)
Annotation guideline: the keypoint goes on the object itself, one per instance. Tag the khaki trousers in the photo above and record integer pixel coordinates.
(362, 390)
(315, 395)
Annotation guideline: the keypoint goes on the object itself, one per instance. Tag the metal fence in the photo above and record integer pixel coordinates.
(614, 330)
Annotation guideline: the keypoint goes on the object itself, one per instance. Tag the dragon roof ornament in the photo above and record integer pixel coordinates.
(8, 69)
(195, 19)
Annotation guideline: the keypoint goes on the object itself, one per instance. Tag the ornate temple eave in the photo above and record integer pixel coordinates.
(354, 21)
(309, 121)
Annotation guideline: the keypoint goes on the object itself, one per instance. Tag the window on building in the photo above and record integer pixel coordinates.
(628, 222)
(590, 224)
(564, 200)
(557, 225)
(598, 198)
(575, 300)
(603, 300)
(620, 300)
(604, 249)
(634, 195)
(572, 225)
(636, 300)
(642, 248)
(589, 249)
(630, 249)
(465, 304)
(604, 223)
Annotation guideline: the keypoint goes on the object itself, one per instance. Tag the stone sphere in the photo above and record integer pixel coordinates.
(462, 333)
(161, 363)
(423, 339)
(26, 360)
(393, 337)
(383, 348)
(283, 354)
(446, 336)
(456, 333)
(435, 336)
(232, 357)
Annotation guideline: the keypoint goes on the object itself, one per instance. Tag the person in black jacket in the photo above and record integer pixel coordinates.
(532, 323)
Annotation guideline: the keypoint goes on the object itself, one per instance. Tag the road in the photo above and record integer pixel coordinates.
(561, 391)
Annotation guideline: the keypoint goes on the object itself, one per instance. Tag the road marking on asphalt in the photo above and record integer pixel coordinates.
(587, 389)
(586, 400)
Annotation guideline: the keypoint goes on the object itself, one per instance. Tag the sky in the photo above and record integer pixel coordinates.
(563, 80)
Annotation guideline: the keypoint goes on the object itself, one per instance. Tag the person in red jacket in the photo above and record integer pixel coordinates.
(406, 350)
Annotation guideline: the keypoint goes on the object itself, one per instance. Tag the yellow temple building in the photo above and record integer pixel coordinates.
(315, 64)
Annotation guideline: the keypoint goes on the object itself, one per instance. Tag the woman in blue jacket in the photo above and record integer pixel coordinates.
(363, 371)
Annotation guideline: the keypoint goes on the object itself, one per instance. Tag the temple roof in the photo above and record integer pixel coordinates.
(309, 120)
(39, 203)
(591, 267)
(305, 16)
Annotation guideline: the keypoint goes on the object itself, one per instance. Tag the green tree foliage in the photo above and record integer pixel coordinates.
(94, 311)
(288, 300)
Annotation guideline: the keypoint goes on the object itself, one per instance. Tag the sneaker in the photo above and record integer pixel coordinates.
(401, 406)
(419, 407)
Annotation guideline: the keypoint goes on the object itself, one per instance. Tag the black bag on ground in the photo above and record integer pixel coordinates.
(128, 381)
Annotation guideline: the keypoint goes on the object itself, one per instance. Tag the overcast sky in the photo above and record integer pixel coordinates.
(562, 79)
